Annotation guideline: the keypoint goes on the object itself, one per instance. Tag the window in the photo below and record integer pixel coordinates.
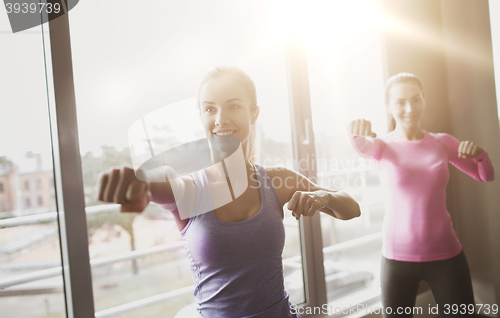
(38, 184)
(141, 70)
(346, 83)
(24, 126)
(40, 201)
(1, 187)
(116, 83)
(494, 7)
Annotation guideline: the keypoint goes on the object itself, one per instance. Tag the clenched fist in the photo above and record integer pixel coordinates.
(122, 186)
(468, 149)
(361, 127)
(306, 203)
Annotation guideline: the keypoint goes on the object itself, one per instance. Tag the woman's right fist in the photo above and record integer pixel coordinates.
(120, 185)
(361, 127)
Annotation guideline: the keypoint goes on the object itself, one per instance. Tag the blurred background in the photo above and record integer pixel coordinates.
(130, 59)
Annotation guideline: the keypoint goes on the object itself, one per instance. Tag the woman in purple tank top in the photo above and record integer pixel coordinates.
(235, 248)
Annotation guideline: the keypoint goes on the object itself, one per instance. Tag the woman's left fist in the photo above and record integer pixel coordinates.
(306, 203)
(468, 149)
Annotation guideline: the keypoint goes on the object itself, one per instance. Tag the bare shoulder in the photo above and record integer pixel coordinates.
(279, 172)
(292, 179)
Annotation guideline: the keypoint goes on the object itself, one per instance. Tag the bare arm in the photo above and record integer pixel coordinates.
(304, 197)
(122, 186)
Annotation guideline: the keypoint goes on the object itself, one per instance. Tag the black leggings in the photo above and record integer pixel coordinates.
(449, 280)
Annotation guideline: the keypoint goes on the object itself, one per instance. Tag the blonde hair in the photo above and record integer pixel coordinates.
(247, 83)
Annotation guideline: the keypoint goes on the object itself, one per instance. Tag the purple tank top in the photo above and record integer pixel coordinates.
(237, 266)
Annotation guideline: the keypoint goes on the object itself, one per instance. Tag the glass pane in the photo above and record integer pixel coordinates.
(129, 64)
(346, 83)
(28, 245)
(273, 148)
(495, 40)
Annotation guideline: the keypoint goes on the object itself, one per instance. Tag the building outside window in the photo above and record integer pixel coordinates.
(26, 247)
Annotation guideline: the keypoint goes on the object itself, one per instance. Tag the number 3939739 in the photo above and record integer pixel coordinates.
(32, 7)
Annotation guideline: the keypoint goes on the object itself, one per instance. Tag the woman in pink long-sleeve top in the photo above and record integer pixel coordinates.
(419, 240)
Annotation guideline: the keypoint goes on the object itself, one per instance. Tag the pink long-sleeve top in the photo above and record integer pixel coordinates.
(417, 225)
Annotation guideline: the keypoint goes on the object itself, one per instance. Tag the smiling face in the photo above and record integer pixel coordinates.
(226, 108)
(406, 103)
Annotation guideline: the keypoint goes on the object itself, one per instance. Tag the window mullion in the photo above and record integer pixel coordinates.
(68, 171)
(304, 153)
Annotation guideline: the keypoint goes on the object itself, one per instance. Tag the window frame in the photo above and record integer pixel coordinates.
(69, 192)
(69, 182)
(303, 149)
